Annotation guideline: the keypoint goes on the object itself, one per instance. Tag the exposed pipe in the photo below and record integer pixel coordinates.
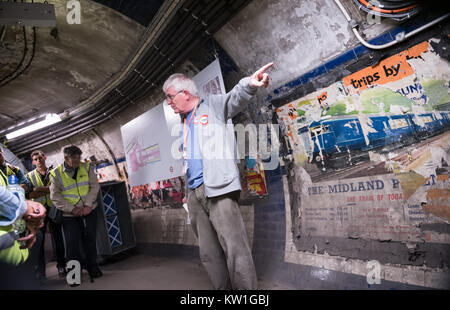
(96, 118)
(9, 116)
(399, 38)
(198, 23)
(166, 12)
(97, 111)
(29, 61)
(164, 49)
(25, 52)
(93, 110)
(71, 133)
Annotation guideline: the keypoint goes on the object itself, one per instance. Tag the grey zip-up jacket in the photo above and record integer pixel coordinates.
(217, 140)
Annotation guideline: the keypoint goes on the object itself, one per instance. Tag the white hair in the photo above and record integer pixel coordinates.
(180, 82)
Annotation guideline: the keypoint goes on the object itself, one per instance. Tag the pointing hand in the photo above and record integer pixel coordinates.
(260, 77)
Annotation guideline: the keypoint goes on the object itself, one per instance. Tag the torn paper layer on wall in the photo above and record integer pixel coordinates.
(375, 147)
(373, 207)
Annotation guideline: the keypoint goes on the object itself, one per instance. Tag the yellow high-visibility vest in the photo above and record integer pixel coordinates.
(36, 180)
(3, 178)
(73, 190)
(12, 255)
(9, 172)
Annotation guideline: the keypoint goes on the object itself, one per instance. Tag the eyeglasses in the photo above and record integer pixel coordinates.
(171, 97)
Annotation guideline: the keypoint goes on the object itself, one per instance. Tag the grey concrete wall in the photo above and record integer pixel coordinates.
(296, 35)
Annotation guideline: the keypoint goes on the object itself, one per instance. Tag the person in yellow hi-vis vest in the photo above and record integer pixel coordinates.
(11, 208)
(14, 250)
(9, 170)
(40, 191)
(12, 253)
(73, 190)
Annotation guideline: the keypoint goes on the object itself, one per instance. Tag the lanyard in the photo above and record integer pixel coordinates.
(185, 132)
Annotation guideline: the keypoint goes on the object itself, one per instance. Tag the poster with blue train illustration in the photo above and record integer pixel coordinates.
(379, 136)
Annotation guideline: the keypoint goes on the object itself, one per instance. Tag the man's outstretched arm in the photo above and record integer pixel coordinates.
(237, 99)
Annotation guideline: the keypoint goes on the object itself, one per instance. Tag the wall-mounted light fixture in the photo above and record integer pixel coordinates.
(50, 119)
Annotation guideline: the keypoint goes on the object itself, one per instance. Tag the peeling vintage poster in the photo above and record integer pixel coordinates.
(375, 147)
(255, 178)
(373, 208)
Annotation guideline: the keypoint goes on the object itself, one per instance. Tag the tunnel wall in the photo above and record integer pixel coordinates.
(391, 226)
(303, 42)
(416, 257)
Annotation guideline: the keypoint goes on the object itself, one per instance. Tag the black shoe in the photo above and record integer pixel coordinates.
(62, 272)
(74, 285)
(95, 273)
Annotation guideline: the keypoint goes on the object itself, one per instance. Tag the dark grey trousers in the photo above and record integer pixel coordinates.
(224, 250)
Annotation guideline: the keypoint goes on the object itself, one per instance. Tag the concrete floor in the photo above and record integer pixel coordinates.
(145, 272)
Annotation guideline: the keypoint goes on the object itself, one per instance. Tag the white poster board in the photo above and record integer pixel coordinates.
(147, 139)
(147, 143)
(209, 80)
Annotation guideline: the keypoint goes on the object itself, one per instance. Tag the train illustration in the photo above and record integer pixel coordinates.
(338, 142)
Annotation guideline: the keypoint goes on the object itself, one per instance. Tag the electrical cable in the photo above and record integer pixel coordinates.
(2, 83)
(29, 61)
(143, 73)
(399, 38)
(25, 51)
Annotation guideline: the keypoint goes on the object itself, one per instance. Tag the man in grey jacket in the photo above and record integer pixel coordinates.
(212, 176)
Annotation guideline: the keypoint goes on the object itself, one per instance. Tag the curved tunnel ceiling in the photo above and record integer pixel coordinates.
(174, 32)
(69, 62)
